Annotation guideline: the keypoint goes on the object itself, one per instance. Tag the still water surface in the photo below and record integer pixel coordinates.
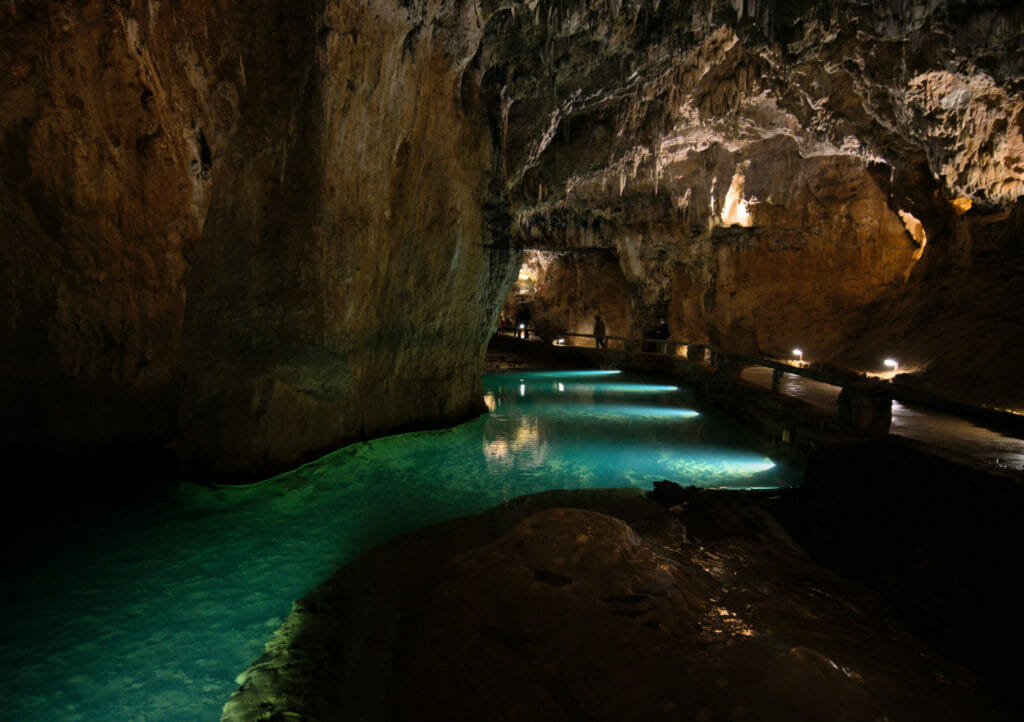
(148, 609)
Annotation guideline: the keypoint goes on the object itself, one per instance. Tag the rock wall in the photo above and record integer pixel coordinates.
(565, 290)
(100, 206)
(345, 286)
(259, 230)
(772, 174)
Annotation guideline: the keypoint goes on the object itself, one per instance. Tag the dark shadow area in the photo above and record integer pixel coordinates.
(938, 539)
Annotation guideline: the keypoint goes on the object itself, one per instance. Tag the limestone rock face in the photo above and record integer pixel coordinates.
(566, 289)
(345, 285)
(603, 609)
(262, 229)
(105, 177)
(774, 174)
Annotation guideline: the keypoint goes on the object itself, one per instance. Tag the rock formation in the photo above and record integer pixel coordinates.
(566, 289)
(839, 177)
(260, 230)
(600, 606)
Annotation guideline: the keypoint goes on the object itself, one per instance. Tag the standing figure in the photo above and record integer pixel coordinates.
(663, 333)
(599, 340)
(523, 322)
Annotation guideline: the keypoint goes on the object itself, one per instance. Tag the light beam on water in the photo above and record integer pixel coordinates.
(148, 609)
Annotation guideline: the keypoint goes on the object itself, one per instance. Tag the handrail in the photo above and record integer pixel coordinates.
(814, 375)
(717, 356)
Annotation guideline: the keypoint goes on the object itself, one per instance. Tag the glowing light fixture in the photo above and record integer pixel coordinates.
(634, 388)
(893, 364)
(799, 355)
(568, 375)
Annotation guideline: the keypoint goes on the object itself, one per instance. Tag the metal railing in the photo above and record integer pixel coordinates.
(694, 352)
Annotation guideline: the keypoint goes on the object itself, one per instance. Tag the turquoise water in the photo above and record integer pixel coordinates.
(147, 609)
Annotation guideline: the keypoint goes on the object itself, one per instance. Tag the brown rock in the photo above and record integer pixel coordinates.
(262, 230)
(710, 612)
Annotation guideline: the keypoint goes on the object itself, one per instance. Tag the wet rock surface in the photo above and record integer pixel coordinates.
(601, 605)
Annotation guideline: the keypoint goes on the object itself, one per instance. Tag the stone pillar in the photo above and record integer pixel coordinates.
(866, 408)
(776, 379)
(727, 367)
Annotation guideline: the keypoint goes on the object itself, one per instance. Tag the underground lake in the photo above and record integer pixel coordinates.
(149, 606)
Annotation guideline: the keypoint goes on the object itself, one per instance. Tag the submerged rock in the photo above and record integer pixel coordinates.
(600, 606)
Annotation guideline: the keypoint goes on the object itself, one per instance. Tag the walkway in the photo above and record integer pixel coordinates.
(957, 434)
(867, 407)
(928, 426)
(813, 392)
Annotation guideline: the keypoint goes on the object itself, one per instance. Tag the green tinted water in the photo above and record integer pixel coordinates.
(148, 610)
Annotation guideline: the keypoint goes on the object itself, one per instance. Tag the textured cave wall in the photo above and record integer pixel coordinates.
(821, 246)
(263, 229)
(103, 192)
(843, 130)
(256, 230)
(344, 286)
(566, 289)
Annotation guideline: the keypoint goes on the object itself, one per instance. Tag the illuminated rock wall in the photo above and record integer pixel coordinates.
(783, 173)
(259, 230)
(565, 290)
(256, 230)
(346, 285)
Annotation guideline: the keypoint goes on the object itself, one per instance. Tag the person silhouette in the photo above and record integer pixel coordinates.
(523, 322)
(662, 333)
(599, 339)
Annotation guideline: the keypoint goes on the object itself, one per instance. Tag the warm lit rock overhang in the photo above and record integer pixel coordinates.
(600, 104)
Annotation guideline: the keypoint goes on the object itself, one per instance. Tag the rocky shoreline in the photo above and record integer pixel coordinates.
(603, 605)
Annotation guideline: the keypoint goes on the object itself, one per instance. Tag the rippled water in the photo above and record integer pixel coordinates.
(147, 610)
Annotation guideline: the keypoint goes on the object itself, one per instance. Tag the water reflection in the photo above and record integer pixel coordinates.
(222, 565)
(521, 446)
(615, 432)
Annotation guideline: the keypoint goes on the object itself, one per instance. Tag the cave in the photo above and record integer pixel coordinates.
(238, 239)
(565, 290)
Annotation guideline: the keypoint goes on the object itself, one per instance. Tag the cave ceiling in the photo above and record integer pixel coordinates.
(258, 229)
(615, 115)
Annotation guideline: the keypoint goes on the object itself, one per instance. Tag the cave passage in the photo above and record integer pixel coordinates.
(151, 610)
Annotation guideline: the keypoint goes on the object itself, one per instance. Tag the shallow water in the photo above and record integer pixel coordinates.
(147, 609)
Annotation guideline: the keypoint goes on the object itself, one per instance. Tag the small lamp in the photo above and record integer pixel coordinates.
(799, 355)
(893, 364)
